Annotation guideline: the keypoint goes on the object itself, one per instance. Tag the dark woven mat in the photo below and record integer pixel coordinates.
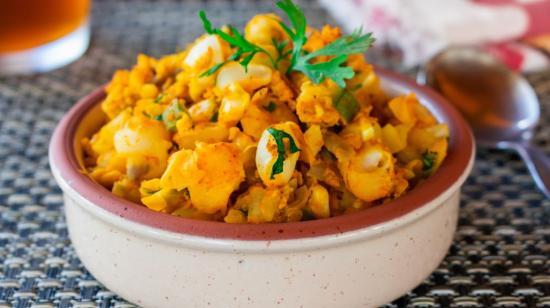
(500, 256)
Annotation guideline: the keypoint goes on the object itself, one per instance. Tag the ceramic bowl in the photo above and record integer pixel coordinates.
(364, 259)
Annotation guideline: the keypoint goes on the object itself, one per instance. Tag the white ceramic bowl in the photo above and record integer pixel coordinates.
(363, 259)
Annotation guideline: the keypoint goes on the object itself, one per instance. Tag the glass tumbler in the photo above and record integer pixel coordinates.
(42, 35)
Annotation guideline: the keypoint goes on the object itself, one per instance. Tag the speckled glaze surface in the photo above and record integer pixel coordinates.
(363, 268)
(362, 260)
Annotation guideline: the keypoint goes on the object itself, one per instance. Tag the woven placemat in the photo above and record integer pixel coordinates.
(500, 256)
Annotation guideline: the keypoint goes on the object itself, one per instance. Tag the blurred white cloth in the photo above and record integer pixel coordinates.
(421, 28)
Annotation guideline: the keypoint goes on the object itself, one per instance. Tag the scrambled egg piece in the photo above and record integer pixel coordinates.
(314, 104)
(267, 154)
(370, 173)
(210, 173)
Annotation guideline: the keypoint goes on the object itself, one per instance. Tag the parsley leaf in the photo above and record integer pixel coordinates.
(279, 135)
(331, 69)
(245, 49)
(301, 61)
(298, 34)
(213, 69)
(355, 43)
(280, 46)
(428, 160)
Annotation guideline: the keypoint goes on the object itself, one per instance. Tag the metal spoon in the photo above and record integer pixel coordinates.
(500, 105)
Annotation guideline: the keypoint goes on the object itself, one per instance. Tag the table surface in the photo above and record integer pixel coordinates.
(500, 255)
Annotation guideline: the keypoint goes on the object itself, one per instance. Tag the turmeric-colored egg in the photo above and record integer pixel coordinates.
(145, 144)
(251, 78)
(202, 132)
(263, 29)
(267, 154)
(142, 135)
(203, 111)
(370, 174)
(210, 45)
(223, 172)
(233, 105)
(314, 105)
(318, 202)
(211, 173)
(103, 141)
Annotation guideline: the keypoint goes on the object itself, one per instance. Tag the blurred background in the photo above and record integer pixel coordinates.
(41, 35)
(516, 31)
(500, 256)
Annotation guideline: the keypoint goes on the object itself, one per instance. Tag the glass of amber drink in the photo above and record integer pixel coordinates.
(42, 35)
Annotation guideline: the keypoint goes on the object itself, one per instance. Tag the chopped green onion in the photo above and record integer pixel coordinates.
(214, 117)
(346, 104)
(171, 115)
(428, 160)
(270, 107)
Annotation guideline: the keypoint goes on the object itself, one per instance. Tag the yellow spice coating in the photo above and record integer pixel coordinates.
(258, 145)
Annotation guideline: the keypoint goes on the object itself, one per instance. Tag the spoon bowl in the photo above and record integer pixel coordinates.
(500, 105)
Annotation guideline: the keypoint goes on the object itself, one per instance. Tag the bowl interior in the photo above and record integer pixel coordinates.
(86, 117)
(90, 123)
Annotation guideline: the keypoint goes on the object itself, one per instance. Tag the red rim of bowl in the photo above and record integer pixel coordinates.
(460, 151)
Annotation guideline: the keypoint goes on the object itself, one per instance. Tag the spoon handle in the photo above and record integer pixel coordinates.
(538, 164)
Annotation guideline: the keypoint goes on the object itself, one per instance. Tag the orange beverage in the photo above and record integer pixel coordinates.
(26, 24)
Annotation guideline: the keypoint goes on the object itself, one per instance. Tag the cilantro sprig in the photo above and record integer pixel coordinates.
(334, 67)
(300, 60)
(280, 46)
(279, 135)
(245, 49)
(298, 33)
(339, 50)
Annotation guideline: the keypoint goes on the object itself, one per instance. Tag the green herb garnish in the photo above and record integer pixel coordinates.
(301, 61)
(280, 46)
(339, 50)
(171, 115)
(298, 34)
(346, 104)
(216, 67)
(158, 99)
(279, 135)
(157, 117)
(270, 107)
(214, 117)
(307, 215)
(428, 160)
(327, 155)
(245, 49)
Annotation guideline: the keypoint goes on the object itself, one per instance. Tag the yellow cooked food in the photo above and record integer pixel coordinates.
(282, 123)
